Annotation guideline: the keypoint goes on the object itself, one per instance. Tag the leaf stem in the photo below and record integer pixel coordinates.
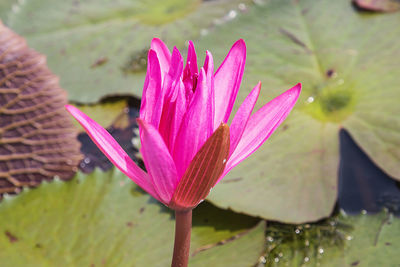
(183, 227)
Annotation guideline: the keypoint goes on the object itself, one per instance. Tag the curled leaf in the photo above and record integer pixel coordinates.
(37, 139)
(378, 5)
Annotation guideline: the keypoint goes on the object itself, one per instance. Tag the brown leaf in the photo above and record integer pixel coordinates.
(378, 5)
(37, 138)
(204, 171)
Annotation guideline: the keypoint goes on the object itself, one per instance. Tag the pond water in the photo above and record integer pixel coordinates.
(362, 185)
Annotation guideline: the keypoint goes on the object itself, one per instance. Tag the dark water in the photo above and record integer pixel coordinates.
(362, 185)
(93, 157)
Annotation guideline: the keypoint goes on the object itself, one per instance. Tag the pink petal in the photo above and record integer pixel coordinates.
(209, 68)
(175, 71)
(191, 71)
(262, 124)
(158, 161)
(172, 88)
(239, 122)
(209, 64)
(172, 78)
(180, 106)
(172, 116)
(113, 150)
(196, 127)
(191, 62)
(152, 98)
(203, 171)
(227, 82)
(163, 54)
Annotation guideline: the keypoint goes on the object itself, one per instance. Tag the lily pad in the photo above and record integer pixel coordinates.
(100, 47)
(105, 113)
(346, 62)
(104, 219)
(37, 138)
(5, 7)
(248, 244)
(363, 240)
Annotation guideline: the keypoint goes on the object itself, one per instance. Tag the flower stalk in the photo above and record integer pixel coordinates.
(183, 228)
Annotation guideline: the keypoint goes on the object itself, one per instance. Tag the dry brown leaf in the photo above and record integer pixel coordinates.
(378, 5)
(37, 138)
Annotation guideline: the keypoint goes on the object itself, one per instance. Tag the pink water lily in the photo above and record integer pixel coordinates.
(187, 146)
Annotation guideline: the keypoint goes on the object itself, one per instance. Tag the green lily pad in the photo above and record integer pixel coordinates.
(5, 7)
(369, 240)
(103, 219)
(100, 47)
(104, 113)
(347, 63)
(248, 244)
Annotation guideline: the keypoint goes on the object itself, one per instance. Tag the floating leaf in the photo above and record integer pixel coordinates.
(363, 240)
(5, 7)
(350, 80)
(100, 47)
(105, 112)
(37, 138)
(104, 219)
(230, 252)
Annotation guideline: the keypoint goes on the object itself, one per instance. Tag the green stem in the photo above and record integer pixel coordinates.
(183, 227)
